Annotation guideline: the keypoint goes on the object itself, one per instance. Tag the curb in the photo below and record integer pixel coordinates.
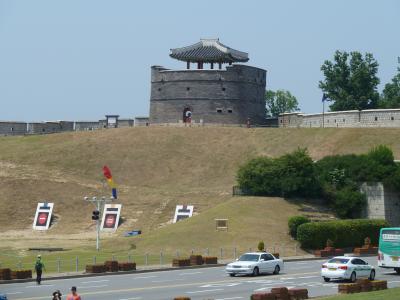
(84, 275)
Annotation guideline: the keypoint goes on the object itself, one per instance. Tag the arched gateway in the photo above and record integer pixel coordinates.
(216, 95)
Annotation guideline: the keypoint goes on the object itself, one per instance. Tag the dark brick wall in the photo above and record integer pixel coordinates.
(214, 96)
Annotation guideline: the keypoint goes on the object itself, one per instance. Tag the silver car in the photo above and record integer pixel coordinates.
(255, 263)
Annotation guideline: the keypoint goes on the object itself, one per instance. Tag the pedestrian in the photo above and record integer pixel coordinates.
(39, 267)
(74, 295)
(57, 295)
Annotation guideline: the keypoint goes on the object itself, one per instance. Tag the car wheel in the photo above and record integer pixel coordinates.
(277, 269)
(353, 277)
(372, 275)
(256, 272)
(232, 275)
(397, 270)
(326, 279)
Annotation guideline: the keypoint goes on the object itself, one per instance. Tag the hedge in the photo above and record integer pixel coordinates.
(294, 222)
(343, 233)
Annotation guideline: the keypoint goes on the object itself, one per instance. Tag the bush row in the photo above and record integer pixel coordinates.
(343, 233)
(295, 222)
(335, 179)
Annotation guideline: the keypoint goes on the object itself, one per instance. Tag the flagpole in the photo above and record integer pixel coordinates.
(323, 113)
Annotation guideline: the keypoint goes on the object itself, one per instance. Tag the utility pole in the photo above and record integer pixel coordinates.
(98, 213)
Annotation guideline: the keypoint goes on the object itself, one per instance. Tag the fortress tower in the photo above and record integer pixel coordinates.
(215, 95)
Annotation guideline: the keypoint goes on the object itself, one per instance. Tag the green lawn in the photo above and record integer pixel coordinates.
(389, 294)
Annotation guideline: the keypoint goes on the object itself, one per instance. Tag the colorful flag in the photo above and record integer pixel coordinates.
(110, 181)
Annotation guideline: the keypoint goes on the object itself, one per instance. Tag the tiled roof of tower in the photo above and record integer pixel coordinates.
(209, 50)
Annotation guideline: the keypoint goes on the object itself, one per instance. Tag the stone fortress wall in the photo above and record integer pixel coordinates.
(351, 118)
(26, 128)
(214, 96)
(343, 119)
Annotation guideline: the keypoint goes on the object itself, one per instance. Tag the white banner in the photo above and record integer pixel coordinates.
(111, 216)
(43, 216)
(183, 212)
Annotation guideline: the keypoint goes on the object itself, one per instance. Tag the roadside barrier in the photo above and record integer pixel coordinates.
(21, 274)
(210, 260)
(365, 284)
(377, 285)
(96, 268)
(126, 266)
(362, 285)
(281, 293)
(366, 249)
(8, 274)
(5, 274)
(298, 294)
(328, 252)
(196, 260)
(263, 296)
(181, 262)
(111, 266)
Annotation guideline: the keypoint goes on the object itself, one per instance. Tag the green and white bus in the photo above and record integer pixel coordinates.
(389, 248)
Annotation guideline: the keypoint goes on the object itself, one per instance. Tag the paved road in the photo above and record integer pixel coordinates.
(206, 283)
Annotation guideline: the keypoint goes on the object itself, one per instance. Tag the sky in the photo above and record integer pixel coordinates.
(80, 60)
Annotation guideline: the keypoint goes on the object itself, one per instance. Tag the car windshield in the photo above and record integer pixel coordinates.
(338, 261)
(249, 257)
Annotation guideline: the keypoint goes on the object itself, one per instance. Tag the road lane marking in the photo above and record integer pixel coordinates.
(136, 298)
(166, 280)
(144, 277)
(38, 286)
(192, 273)
(262, 289)
(305, 277)
(95, 281)
(204, 291)
(92, 286)
(14, 293)
(229, 284)
(232, 298)
(127, 290)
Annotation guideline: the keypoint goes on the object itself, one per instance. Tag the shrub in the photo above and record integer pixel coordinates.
(297, 176)
(291, 174)
(382, 155)
(294, 222)
(259, 175)
(329, 243)
(343, 233)
(349, 203)
(261, 246)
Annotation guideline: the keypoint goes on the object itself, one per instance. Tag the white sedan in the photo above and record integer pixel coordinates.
(348, 268)
(254, 264)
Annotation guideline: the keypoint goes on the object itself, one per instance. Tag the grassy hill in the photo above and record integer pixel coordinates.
(156, 168)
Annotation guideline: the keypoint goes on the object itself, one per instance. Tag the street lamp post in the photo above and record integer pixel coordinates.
(97, 214)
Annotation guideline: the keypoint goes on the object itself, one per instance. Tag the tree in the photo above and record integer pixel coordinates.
(279, 102)
(351, 81)
(391, 93)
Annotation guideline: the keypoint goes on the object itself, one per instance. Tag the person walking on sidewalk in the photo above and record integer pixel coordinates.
(39, 267)
(74, 295)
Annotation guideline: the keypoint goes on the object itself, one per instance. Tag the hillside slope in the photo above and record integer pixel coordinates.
(155, 169)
